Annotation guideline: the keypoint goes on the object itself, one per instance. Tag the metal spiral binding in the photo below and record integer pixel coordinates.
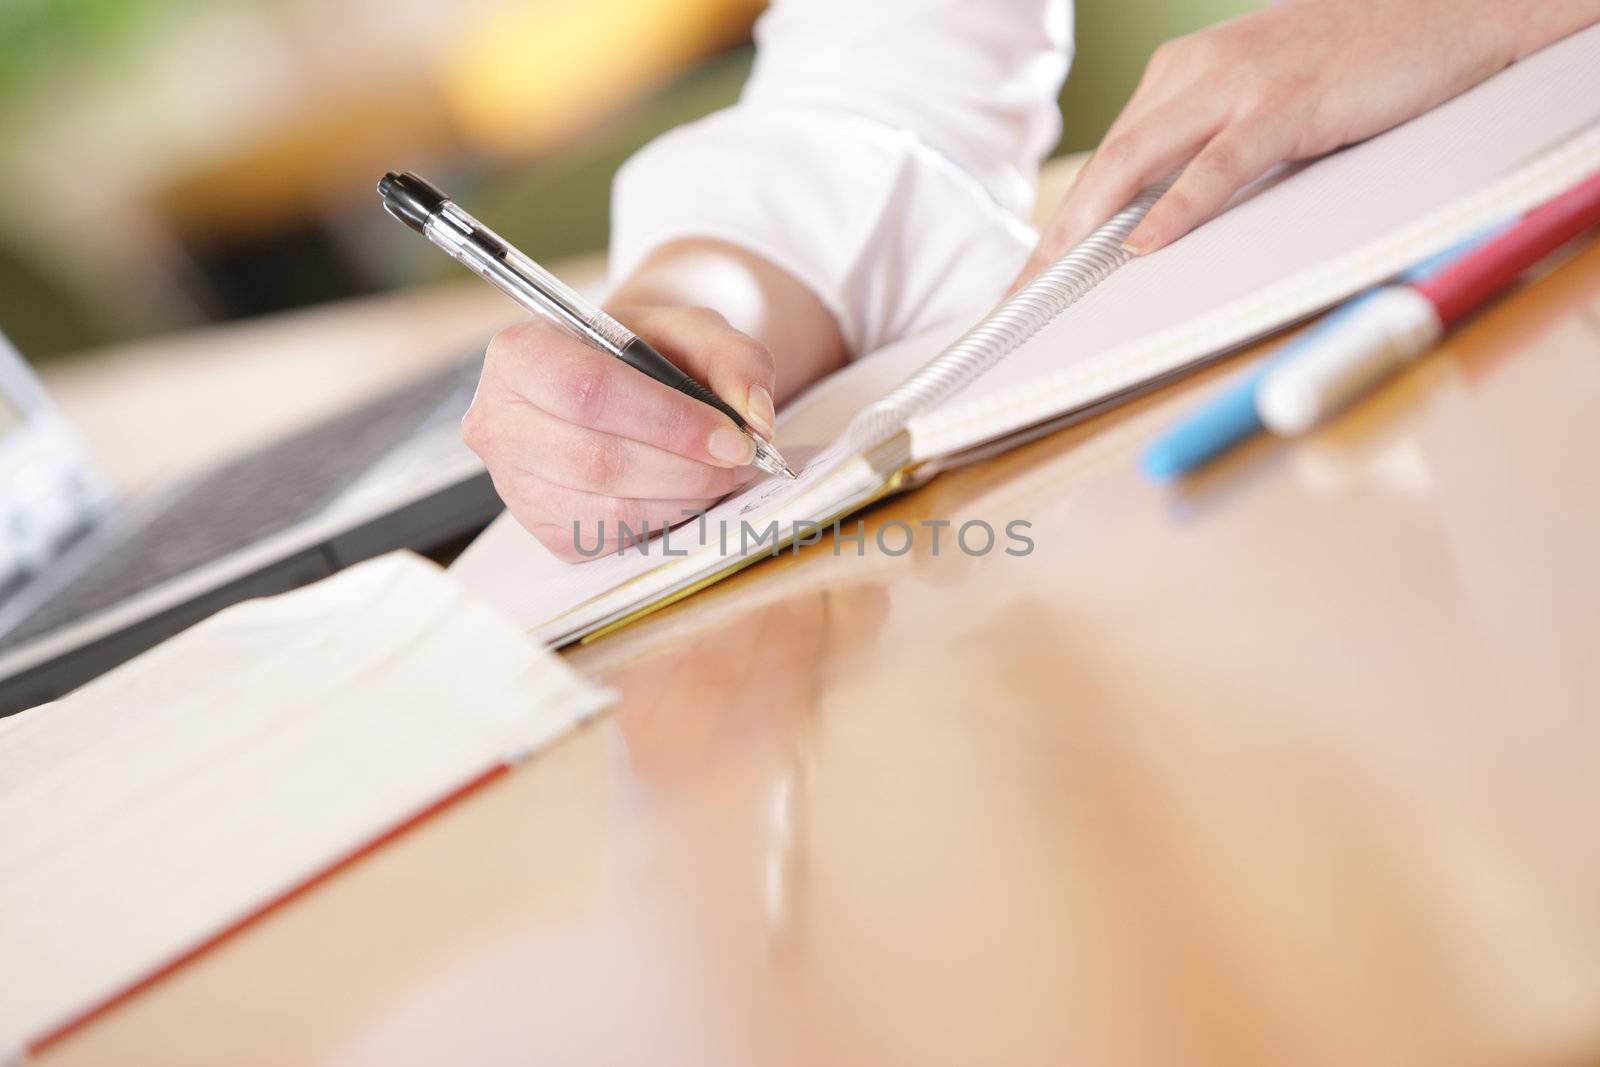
(1009, 326)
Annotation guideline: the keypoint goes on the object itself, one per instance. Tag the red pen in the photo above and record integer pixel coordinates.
(1399, 322)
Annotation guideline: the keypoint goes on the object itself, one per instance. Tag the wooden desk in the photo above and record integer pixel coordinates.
(1297, 764)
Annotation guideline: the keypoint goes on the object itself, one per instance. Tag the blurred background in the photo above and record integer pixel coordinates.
(172, 163)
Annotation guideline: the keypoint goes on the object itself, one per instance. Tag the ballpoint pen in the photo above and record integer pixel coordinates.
(428, 211)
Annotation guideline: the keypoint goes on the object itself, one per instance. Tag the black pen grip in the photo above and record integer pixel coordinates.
(641, 357)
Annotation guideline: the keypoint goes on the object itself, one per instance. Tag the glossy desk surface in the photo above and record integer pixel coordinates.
(1295, 764)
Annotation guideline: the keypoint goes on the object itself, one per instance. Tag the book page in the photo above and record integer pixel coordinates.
(223, 768)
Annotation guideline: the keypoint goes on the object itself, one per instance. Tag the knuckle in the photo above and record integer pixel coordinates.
(583, 391)
(1251, 104)
(1169, 55)
(1208, 52)
(513, 342)
(1177, 204)
(499, 346)
(1270, 100)
(1223, 159)
(1117, 152)
(600, 464)
(706, 316)
(1205, 49)
(476, 429)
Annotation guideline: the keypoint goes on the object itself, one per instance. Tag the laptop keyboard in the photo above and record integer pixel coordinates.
(262, 493)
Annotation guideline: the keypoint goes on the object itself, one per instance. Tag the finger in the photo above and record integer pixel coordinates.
(525, 438)
(1238, 155)
(1147, 97)
(736, 367)
(574, 382)
(591, 519)
(1123, 166)
(1119, 169)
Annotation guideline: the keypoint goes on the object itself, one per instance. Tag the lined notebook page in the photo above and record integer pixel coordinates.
(1338, 225)
(157, 806)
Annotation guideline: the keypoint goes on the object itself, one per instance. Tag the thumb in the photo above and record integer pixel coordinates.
(735, 366)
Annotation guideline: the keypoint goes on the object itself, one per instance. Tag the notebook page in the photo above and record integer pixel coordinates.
(155, 807)
(1338, 225)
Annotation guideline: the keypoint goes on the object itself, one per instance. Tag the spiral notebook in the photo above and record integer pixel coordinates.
(1095, 329)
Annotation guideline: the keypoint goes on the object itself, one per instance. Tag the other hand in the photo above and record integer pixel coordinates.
(1290, 82)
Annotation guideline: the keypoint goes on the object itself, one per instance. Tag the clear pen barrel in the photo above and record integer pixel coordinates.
(487, 254)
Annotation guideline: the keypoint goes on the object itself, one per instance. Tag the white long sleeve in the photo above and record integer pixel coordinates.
(884, 152)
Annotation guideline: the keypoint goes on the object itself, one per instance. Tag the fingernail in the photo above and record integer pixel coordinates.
(731, 446)
(1133, 249)
(758, 410)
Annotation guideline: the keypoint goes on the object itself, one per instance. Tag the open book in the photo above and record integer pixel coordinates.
(194, 789)
(1093, 330)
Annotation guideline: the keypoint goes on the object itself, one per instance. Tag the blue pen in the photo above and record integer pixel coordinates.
(1230, 417)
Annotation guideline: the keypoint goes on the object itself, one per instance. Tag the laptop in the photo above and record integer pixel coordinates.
(88, 580)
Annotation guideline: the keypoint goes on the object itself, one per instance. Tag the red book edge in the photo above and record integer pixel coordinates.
(272, 904)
